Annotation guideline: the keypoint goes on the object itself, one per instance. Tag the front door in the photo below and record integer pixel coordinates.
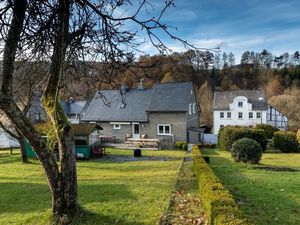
(136, 131)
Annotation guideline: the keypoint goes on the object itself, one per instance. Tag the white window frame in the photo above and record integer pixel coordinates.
(251, 114)
(164, 129)
(242, 104)
(194, 108)
(228, 113)
(240, 113)
(117, 126)
(222, 113)
(258, 113)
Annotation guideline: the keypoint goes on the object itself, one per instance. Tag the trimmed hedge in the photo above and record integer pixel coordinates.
(246, 150)
(298, 136)
(269, 130)
(228, 135)
(286, 141)
(217, 201)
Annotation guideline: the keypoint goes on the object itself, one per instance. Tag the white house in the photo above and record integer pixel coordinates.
(6, 141)
(245, 108)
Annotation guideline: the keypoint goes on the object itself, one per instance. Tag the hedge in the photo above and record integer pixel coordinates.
(228, 135)
(298, 136)
(286, 141)
(269, 130)
(217, 201)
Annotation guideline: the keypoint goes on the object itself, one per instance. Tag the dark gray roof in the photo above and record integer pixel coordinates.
(109, 107)
(166, 97)
(224, 98)
(72, 107)
(171, 97)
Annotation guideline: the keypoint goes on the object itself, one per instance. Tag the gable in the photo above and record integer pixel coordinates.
(222, 100)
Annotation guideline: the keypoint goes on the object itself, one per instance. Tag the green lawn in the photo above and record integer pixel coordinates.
(266, 194)
(117, 189)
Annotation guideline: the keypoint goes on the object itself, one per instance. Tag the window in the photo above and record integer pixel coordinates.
(250, 115)
(117, 126)
(190, 108)
(221, 115)
(240, 104)
(228, 114)
(194, 108)
(221, 126)
(163, 129)
(258, 115)
(240, 115)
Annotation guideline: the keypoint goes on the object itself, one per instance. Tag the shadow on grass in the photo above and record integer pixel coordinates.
(8, 158)
(127, 158)
(30, 197)
(210, 151)
(85, 217)
(259, 194)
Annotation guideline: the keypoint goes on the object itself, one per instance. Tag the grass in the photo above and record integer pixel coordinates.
(117, 189)
(264, 194)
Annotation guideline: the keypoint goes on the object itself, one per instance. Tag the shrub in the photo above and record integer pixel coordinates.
(269, 130)
(230, 134)
(246, 150)
(185, 146)
(178, 144)
(181, 145)
(217, 201)
(286, 141)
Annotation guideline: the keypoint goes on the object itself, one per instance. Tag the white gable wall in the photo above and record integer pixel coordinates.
(235, 109)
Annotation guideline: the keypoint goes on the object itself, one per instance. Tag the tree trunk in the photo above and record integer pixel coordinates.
(23, 151)
(65, 196)
(65, 200)
(22, 147)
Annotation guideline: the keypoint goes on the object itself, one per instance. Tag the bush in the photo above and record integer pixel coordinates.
(178, 144)
(286, 141)
(181, 145)
(269, 130)
(246, 150)
(185, 146)
(230, 134)
(217, 201)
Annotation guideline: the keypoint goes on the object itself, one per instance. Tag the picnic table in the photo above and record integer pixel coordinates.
(143, 142)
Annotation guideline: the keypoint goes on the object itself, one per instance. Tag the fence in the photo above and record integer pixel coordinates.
(210, 138)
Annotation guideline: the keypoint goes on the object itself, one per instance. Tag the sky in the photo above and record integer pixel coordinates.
(235, 25)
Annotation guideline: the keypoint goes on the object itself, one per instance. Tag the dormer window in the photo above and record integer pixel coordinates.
(240, 104)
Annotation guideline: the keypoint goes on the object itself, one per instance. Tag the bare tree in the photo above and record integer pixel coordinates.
(65, 34)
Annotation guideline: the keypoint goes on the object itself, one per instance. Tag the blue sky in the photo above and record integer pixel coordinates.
(236, 25)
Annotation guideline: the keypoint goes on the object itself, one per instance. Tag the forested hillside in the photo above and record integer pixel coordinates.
(278, 75)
